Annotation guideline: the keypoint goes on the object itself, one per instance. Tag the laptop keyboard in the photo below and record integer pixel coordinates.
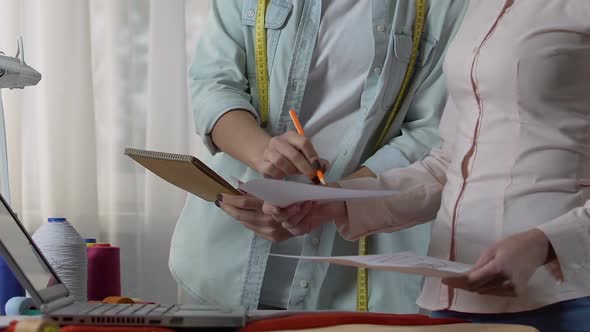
(149, 315)
(110, 309)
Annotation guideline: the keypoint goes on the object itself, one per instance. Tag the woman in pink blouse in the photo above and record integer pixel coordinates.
(510, 187)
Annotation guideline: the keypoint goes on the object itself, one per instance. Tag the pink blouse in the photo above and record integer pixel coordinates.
(515, 153)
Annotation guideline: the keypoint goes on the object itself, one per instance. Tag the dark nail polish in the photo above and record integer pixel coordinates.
(218, 204)
(316, 180)
(220, 197)
(317, 165)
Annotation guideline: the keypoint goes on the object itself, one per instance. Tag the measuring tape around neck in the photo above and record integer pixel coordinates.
(261, 61)
(362, 295)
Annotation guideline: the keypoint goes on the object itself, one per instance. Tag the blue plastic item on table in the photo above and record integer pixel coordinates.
(9, 285)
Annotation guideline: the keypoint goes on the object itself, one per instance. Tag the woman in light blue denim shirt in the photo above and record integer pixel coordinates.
(217, 259)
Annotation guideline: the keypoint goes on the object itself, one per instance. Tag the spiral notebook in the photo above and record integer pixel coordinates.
(184, 171)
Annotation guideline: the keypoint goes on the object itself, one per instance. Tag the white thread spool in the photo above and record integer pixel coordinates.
(65, 250)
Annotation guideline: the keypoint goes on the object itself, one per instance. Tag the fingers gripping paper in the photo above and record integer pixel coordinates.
(404, 262)
(183, 171)
(283, 193)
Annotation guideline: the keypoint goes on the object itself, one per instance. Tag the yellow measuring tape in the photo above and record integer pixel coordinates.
(362, 295)
(263, 101)
(261, 63)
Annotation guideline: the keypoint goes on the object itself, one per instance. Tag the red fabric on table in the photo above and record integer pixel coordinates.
(316, 320)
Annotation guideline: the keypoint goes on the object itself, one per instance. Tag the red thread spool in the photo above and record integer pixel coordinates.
(104, 271)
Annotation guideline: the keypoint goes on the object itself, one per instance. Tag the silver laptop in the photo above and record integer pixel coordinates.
(53, 299)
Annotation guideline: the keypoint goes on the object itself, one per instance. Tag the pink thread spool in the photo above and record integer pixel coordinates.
(104, 271)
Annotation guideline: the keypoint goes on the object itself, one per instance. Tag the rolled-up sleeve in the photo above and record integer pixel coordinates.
(217, 77)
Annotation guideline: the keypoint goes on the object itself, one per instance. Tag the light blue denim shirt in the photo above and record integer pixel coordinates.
(214, 257)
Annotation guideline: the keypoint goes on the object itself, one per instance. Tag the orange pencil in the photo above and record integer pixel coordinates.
(300, 131)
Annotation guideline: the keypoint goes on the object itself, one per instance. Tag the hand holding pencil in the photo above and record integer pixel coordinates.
(278, 157)
(291, 154)
(299, 128)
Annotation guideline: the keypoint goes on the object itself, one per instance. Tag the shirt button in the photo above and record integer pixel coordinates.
(251, 13)
(381, 28)
(377, 71)
(304, 283)
(315, 241)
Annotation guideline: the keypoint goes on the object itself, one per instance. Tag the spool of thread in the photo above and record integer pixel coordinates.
(9, 285)
(90, 242)
(19, 305)
(66, 252)
(104, 271)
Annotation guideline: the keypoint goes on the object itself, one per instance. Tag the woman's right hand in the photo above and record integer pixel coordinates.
(290, 154)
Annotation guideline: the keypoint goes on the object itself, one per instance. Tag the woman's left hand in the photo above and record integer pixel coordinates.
(505, 268)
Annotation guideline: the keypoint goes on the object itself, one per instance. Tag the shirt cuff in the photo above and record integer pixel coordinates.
(217, 106)
(386, 158)
(569, 236)
(357, 225)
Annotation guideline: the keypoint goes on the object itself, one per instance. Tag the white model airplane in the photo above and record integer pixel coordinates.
(15, 73)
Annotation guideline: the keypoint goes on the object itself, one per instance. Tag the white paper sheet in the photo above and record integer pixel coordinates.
(404, 262)
(284, 193)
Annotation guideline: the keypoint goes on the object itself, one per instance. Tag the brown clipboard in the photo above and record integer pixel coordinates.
(184, 171)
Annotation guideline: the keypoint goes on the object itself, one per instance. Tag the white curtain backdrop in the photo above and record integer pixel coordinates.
(114, 76)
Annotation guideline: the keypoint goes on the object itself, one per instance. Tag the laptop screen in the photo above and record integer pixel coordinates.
(25, 259)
